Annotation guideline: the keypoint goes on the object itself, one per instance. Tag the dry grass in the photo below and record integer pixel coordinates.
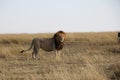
(86, 56)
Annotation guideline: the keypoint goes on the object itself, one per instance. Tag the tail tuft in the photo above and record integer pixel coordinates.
(22, 51)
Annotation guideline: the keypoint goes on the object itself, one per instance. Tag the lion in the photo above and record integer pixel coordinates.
(118, 37)
(55, 43)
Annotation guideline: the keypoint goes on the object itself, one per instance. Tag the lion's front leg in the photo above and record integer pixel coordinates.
(58, 54)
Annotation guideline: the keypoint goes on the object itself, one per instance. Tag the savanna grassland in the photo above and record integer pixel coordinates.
(85, 56)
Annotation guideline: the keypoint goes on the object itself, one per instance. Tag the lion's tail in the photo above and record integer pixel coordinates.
(28, 48)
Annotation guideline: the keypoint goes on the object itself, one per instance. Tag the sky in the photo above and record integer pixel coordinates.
(41, 16)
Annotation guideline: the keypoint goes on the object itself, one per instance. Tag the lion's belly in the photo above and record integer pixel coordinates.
(47, 48)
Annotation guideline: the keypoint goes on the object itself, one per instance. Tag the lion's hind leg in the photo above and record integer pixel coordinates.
(35, 53)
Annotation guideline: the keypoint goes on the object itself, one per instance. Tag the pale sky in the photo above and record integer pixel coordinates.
(37, 16)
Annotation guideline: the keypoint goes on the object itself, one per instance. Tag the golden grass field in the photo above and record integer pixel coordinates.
(85, 56)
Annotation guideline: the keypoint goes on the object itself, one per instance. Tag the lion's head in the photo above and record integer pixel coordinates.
(59, 38)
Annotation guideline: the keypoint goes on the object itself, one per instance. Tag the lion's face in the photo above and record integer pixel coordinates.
(60, 36)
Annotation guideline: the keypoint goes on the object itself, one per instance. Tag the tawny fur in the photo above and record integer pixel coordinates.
(55, 43)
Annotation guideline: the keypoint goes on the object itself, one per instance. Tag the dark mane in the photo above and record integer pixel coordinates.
(58, 45)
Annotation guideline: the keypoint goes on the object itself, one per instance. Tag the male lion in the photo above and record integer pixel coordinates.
(55, 43)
